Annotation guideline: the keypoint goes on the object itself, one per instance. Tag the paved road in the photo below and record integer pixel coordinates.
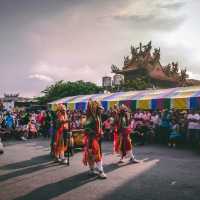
(27, 172)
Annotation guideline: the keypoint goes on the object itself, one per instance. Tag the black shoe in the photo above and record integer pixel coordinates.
(102, 175)
(93, 172)
(134, 161)
(120, 162)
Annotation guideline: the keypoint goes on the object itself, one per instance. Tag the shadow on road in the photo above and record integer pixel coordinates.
(154, 184)
(155, 179)
(38, 142)
(55, 189)
(28, 163)
(27, 167)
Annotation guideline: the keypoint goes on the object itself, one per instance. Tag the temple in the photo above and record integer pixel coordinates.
(145, 62)
(12, 102)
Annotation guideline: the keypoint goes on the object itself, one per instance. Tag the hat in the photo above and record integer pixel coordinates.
(183, 112)
(61, 107)
(92, 108)
(100, 107)
(124, 108)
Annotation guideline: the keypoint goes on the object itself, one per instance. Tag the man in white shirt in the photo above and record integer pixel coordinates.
(155, 119)
(193, 127)
(138, 116)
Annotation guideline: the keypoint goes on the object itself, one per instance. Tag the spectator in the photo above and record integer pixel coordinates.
(32, 131)
(164, 127)
(107, 128)
(174, 136)
(9, 121)
(193, 127)
(155, 120)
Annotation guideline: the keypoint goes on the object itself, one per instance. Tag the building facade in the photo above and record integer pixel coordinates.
(143, 62)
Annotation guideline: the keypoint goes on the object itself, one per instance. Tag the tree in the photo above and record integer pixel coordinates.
(183, 77)
(63, 89)
(141, 83)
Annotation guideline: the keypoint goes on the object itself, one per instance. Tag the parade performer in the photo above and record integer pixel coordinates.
(62, 126)
(123, 145)
(52, 131)
(115, 117)
(68, 138)
(92, 139)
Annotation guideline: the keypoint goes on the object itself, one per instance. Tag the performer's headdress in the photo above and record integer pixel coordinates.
(61, 107)
(124, 108)
(124, 112)
(92, 108)
(115, 110)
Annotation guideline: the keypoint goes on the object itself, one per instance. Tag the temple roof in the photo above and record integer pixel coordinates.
(143, 57)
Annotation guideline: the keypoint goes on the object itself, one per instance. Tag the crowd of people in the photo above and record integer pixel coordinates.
(23, 125)
(119, 125)
(20, 125)
(125, 129)
(172, 127)
(167, 126)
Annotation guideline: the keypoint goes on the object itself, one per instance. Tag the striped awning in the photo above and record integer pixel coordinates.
(177, 98)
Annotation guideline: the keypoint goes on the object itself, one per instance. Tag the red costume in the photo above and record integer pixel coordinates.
(122, 131)
(93, 131)
(62, 124)
(115, 115)
(92, 140)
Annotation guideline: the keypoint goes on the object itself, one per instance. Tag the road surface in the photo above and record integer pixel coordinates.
(27, 172)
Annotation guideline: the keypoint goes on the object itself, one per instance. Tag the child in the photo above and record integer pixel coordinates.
(174, 135)
(32, 131)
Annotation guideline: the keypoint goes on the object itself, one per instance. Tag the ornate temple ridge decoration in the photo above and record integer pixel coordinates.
(142, 55)
(143, 58)
(11, 95)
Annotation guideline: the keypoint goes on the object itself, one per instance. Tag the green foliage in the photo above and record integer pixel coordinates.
(66, 88)
(141, 83)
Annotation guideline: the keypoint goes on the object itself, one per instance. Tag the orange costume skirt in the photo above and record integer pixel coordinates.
(122, 141)
(59, 145)
(92, 150)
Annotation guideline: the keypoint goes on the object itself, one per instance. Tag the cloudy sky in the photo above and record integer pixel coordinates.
(43, 41)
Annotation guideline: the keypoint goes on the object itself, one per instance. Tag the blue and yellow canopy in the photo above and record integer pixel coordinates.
(177, 98)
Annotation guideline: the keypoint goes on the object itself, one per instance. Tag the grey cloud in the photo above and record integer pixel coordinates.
(172, 5)
(152, 22)
(160, 15)
(179, 53)
(70, 34)
(13, 81)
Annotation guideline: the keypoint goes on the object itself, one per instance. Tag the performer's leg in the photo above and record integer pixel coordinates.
(100, 166)
(63, 158)
(57, 157)
(121, 158)
(52, 153)
(91, 166)
(100, 169)
(132, 156)
(62, 148)
(92, 171)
